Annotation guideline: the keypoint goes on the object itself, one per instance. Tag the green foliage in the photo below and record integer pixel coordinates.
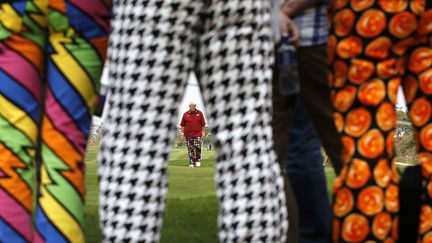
(402, 115)
(404, 141)
(208, 138)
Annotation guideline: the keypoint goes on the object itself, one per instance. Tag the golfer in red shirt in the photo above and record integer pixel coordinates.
(192, 127)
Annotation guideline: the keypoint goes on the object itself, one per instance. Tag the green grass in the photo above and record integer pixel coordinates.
(192, 208)
(191, 211)
(91, 223)
(331, 176)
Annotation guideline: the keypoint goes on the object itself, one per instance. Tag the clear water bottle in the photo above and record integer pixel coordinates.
(287, 66)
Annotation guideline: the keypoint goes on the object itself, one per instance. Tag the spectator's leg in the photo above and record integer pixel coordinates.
(151, 55)
(77, 46)
(304, 168)
(21, 69)
(194, 151)
(366, 68)
(410, 187)
(281, 122)
(189, 145)
(236, 58)
(198, 149)
(315, 94)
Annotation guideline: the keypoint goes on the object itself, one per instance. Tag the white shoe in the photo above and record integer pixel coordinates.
(191, 166)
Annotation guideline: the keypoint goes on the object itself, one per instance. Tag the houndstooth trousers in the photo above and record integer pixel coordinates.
(154, 46)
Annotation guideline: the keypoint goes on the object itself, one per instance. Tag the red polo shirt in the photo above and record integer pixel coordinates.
(193, 123)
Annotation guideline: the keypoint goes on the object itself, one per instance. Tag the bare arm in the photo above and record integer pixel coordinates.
(294, 7)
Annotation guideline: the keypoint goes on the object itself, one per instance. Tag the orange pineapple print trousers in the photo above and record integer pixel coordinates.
(374, 47)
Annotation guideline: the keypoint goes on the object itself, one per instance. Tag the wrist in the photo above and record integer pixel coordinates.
(285, 9)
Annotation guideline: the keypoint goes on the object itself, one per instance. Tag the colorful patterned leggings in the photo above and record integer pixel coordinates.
(194, 149)
(374, 47)
(51, 57)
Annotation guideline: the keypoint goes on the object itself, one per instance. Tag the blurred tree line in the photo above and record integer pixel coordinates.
(208, 138)
(97, 129)
(404, 139)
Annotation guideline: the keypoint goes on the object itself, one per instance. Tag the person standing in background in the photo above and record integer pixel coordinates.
(192, 127)
(300, 117)
(51, 58)
(310, 17)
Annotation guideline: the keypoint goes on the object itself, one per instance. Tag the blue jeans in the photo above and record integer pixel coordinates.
(306, 173)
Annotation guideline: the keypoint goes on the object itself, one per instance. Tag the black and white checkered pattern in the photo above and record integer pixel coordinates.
(154, 46)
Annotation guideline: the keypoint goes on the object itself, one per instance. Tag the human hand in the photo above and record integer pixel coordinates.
(288, 28)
